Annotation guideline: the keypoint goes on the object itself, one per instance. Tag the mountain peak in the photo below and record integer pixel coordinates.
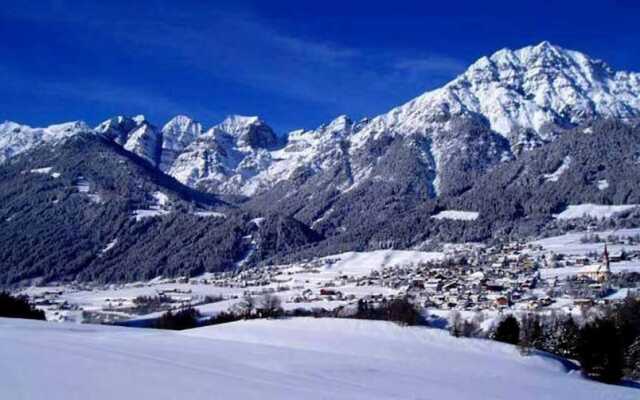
(177, 134)
(140, 118)
(340, 123)
(233, 123)
(248, 130)
(542, 87)
(17, 138)
(545, 45)
(181, 118)
(182, 123)
(8, 126)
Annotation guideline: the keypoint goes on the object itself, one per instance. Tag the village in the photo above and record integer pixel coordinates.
(514, 276)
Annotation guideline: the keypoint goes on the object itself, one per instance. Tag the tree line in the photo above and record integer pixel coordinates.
(18, 307)
(607, 346)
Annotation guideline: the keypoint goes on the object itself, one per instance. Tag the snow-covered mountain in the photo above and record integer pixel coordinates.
(504, 147)
(538, 90)
(16, 138)
(504, 104)
(177, 134)
(146, 141)
(118, 128)
(228, 156)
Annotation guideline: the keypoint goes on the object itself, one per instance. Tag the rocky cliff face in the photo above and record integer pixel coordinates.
(512, 141)
(504, 104)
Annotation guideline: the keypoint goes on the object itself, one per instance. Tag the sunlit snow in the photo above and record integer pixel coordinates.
(457, 215)
(301, 358)
(593, 211)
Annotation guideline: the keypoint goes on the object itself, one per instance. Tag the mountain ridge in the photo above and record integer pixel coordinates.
(513, 141)
(529, 96)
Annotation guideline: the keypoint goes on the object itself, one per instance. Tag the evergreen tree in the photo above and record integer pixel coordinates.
(600, 351)
(530, 333)
(508, 330)
(183, 319)
(632, 360)
(566, 338)
(18, 307)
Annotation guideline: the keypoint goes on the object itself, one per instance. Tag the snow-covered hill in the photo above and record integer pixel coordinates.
(275, 359)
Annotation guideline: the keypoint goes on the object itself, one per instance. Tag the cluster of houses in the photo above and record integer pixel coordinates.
(470, 277)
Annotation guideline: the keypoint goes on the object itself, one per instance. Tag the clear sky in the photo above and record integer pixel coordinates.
(297, 64)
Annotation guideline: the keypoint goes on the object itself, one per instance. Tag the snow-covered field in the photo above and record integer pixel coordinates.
(294, 278)
(616, 268)
(571, 244)
(302, 358)
(594, 210)
(362, 263)
(457, 215)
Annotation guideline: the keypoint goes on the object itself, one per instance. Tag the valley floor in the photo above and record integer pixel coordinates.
(302, 358)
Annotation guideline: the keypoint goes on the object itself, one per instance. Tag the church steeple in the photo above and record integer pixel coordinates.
(606, 259)
(606, 274)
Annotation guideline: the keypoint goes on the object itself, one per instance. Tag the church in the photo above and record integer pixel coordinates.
(598, 272)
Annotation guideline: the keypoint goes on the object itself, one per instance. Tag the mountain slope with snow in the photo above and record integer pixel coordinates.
(16, 138)
(506, 103)
(276, 359)
(503, 147)
(227, 157)
(542, 88)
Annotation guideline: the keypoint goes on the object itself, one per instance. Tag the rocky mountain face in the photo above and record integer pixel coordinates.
(227, 157)
(177, 134)
(487, 142)
(504, 104)
(16, 138)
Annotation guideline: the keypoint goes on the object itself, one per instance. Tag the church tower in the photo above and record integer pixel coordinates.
(607, 268)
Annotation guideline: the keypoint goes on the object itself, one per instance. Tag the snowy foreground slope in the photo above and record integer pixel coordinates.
(275, 359)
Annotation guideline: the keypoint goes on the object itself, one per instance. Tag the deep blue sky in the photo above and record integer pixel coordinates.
(295, 63)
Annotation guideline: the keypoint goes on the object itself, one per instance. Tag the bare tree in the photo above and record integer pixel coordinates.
(455, 323)
(270, 305)
(246, 306)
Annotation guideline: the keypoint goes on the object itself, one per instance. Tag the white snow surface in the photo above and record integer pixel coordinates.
(539, 89)
(362, 263)
(302, 358)
(212, 214)
(616, 268)
(571, 244)
(603, 184)
(17, 138)
(141, 214)
(161, 198)
(44, 170)
(109, 246)
(593, 210)
(555, 175)
(258, 221)
(457, 215)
